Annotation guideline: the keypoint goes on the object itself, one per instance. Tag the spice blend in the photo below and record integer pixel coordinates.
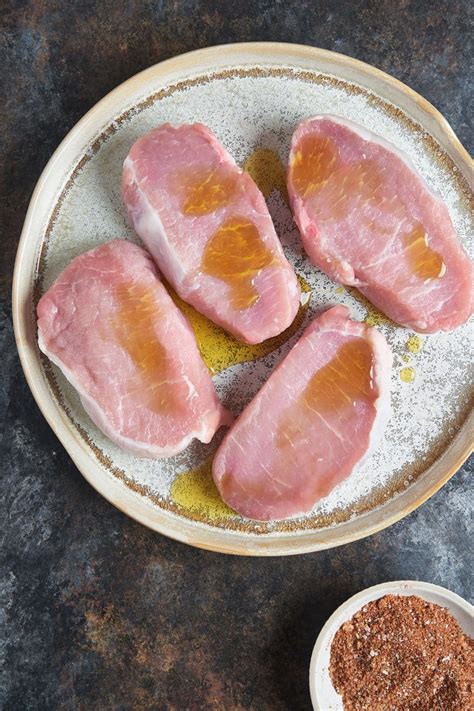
(403, 653)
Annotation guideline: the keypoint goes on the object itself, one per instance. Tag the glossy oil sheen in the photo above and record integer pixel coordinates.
(407, 375)
(219, 350)
(236, 255)
(267, 171)
(414, 344)
(206, 191)
(333, 389)
(424, 261)
(313, 163)
(357, 186)
(194, 491)
(134, 328)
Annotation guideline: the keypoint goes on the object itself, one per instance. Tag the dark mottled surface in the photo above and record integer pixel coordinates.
(98, 612)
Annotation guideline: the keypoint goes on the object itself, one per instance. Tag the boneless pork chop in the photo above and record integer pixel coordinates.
(311, 423)
(207, 225)
(111, 327)
(369, 220)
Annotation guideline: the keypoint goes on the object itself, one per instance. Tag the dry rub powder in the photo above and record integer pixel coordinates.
(403, 654)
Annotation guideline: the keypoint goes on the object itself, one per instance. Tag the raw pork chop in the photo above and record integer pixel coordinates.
(311, 423)
(368, 219)
(111, 327)
(207, 226)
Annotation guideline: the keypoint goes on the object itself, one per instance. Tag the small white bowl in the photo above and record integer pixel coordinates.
(323, 695)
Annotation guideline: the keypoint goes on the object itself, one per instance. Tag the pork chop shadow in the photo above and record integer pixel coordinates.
(197, 452)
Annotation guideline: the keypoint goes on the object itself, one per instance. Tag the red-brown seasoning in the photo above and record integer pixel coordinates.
(401, 653)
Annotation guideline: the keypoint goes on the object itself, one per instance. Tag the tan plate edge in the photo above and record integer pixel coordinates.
(111, 489)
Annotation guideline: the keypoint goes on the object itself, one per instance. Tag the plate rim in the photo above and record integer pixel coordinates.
(458, 450)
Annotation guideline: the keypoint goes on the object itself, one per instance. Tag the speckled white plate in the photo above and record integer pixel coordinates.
(324, 697)
(252, 96)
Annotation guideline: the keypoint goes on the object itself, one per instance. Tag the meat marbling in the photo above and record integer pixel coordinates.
(207, 225)
(369, 220)
(312, 422)
(111, 327)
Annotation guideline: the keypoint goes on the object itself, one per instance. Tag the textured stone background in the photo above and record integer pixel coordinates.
(100, 613)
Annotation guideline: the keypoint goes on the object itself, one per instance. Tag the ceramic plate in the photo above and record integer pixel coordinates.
(251, 96)
(323, 695)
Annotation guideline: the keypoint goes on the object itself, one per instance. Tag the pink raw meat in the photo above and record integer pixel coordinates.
(207, 226)
(314, 419)
(369, 220)
(108, 323)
